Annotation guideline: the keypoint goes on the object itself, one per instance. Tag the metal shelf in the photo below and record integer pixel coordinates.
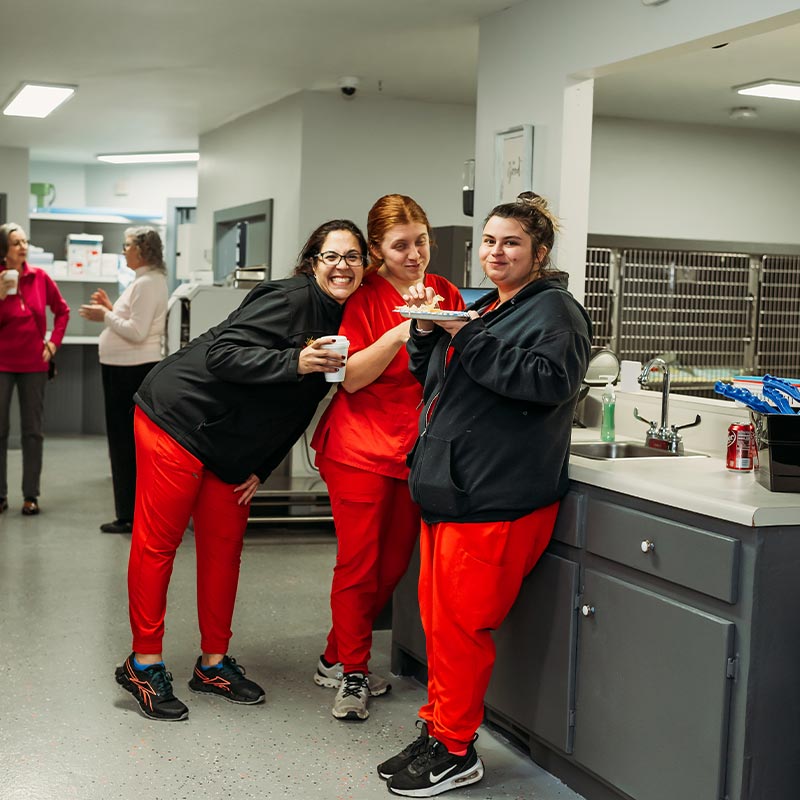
(284, 500)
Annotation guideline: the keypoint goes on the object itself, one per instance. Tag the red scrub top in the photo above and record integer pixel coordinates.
(374, 428)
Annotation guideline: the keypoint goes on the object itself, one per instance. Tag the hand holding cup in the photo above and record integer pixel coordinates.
(327, 354)
(10, 282)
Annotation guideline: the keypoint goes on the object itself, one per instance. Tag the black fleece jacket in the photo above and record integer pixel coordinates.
(232, 397)
(495, 446)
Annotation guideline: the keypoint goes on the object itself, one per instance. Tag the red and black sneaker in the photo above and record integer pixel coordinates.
(226, 679)
(152, 689)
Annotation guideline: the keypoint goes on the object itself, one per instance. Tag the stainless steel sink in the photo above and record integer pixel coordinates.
(611, 451)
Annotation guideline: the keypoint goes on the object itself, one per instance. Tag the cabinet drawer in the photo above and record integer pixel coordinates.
(700, 560)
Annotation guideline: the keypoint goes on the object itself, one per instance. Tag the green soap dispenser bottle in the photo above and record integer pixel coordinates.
(607, 433)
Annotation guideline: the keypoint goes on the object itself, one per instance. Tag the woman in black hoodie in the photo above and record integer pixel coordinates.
(488, 471)
(212, 422)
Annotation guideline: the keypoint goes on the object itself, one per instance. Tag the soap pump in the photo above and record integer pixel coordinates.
(607, 433)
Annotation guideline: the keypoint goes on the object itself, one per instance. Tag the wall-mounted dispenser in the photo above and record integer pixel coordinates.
(468, 187)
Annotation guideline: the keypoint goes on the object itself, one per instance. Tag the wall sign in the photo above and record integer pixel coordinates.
(513, 169)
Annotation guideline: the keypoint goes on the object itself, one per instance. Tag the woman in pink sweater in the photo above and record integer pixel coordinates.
(25, 354)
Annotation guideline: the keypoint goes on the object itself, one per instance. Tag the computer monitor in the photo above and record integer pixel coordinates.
(472, 293)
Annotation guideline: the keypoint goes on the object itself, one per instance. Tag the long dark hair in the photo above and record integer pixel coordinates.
(312, 247)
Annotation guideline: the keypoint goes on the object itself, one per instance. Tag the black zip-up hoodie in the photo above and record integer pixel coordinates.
(495, 446)
(232, 397)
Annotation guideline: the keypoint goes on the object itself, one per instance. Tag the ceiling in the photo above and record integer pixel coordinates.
(696, 88)
(155, 74)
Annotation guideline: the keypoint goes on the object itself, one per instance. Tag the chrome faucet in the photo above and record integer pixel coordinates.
(665, 437)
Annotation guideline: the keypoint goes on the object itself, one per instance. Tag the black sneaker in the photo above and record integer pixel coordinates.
(399, 762)
(435, 771)
(152, 689)
(228, 681)
(117, 526)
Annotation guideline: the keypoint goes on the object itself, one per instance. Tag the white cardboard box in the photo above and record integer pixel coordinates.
(84, 254)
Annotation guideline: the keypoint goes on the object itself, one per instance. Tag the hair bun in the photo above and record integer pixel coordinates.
(536, 201)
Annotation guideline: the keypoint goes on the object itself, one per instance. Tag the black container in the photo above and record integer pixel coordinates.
(778, 442)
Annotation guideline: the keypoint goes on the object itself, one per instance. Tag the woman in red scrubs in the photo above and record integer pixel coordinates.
(361, 444)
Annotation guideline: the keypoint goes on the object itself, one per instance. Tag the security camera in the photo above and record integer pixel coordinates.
(348, 86)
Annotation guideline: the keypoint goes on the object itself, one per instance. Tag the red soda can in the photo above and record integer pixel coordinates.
(741, 444)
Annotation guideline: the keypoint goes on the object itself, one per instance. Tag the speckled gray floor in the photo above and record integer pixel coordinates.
(68, 731)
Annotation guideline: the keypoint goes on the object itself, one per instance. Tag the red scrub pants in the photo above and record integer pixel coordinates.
(172, 486)
(470, 576)
(377, 525)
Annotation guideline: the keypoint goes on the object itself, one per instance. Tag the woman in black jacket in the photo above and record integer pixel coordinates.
(212, 422)
(488, 471)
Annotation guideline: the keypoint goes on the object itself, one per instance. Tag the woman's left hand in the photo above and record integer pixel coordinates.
(248, 489)
(48, 352)
(453, 326)
(93, 311)
(314, 358)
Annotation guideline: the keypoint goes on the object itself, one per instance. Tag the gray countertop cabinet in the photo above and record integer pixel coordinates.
(652, 654)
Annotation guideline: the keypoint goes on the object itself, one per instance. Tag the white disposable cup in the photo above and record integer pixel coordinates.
(11, 277)
(629, 372)
(340, 344)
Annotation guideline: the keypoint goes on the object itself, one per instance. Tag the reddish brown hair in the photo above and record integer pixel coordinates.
(388, 211)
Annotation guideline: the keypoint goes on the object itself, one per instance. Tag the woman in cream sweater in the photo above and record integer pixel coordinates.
(130, 345)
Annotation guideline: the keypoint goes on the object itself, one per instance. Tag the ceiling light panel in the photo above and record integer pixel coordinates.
(148, 158)
(779, 90)
(37, 99)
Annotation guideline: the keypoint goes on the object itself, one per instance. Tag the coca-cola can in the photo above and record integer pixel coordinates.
(741, 447)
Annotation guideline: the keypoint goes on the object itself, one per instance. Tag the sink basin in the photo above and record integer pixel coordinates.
(611, 451)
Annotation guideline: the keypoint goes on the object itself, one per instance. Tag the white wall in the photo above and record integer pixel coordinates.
(14, 183)
(694, 182)
(531, 53)
(321, 157)
(139, 186)
(355, 151)
(69, 180)
(255, 157)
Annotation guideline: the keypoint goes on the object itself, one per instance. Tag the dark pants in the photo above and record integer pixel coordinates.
(30, 389)
(119, 386)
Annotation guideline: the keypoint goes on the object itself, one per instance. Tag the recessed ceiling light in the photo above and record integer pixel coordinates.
(37, 99)
(148, 158)
(743, 112)
(770, 87)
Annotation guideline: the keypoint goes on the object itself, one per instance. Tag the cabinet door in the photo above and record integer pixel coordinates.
(407, 633)
(533, 682)
(652, 695)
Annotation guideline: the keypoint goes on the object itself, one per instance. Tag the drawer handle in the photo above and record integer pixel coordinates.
(648, 546)
(587, 610)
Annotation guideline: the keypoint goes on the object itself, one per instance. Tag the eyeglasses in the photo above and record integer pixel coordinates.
(332, 259)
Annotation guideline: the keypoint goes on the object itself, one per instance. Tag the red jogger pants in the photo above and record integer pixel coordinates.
(470, 576)
(377, 525)
(172, 486)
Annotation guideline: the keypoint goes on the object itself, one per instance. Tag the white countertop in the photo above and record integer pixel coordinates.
(702, 485)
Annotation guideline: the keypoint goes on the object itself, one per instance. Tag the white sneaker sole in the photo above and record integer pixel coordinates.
(334, 683)
(465, 778)
(351, 716)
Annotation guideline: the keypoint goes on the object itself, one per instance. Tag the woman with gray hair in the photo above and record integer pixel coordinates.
(130, 346)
